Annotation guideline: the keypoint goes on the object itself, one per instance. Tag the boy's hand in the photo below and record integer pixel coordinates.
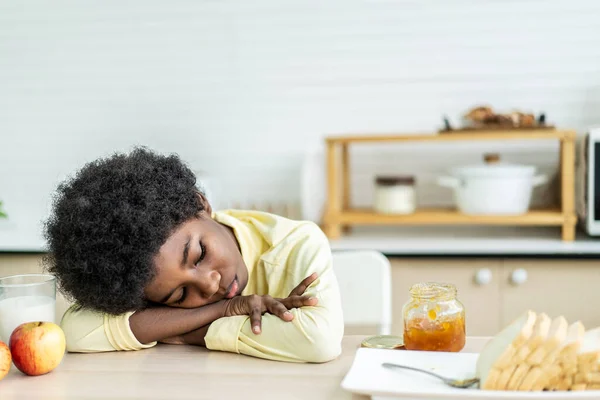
(296, 299)
(255, 305)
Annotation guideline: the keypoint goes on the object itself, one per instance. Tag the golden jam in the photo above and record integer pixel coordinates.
(434, 319)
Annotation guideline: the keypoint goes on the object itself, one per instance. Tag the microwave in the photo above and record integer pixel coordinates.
(587, 182)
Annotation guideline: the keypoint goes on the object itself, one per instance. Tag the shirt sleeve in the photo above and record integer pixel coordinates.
(315, 333)
(88, 331)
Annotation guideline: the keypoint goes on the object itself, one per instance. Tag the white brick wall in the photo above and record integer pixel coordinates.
(243, 88)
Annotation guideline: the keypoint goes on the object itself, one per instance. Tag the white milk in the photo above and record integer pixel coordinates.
(16, 310)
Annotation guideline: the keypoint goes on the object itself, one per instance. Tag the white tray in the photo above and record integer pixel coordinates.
(367, 376)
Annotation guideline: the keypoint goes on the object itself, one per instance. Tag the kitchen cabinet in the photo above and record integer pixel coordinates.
(556, 287)
(477, 282)
(496, 290)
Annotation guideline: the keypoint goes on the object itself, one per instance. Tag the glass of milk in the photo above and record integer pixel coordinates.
(26, 298)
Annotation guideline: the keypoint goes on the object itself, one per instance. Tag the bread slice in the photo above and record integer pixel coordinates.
(559, 380)
(538, 336)
(567, 358)
(551, 347)
(504, 378)
(506, 359)
(588, 367)
(565, 383)
(498, 352)
(590, 347)
(587, 377)
(519, 374)
(588, 359)
(544, 356)
(592, 386)
(569, 369)
(492, 379)
(579, 378)
(531, 379)
(572, 344)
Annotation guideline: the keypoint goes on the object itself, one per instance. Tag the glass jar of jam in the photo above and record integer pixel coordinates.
(434, 319)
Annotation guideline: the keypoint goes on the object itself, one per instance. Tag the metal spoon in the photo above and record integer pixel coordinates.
(457, 383)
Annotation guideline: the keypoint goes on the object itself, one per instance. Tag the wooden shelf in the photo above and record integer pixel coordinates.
(443, 216)
(531, 134)
(339, 215)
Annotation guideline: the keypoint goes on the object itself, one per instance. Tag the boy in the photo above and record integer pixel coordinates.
(137, 247)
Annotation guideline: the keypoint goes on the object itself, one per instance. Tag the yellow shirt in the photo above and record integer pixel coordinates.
(279, 254)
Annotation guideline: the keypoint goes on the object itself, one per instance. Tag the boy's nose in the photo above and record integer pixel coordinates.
(208, 283)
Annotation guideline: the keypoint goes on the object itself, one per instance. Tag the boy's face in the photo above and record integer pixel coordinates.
(199, 264)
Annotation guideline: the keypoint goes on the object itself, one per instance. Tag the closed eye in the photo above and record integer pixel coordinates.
(183, 296)
(184, 289)
(203, 254)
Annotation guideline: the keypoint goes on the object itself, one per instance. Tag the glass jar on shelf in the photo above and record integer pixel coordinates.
(434, 318)
(395, 195)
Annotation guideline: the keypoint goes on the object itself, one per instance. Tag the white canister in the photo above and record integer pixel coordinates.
(395, 195)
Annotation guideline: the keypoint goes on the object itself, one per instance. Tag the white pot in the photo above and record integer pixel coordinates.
(498, 189)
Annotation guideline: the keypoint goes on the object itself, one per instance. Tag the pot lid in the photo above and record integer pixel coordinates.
(493, 167)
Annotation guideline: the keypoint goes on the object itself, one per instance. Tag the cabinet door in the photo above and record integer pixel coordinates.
(557, 287)
(15, 264)
(480, 297)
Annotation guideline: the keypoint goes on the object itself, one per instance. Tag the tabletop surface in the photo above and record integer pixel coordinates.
(188, 372)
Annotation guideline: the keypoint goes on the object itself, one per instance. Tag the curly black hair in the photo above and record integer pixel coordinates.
(108, 222)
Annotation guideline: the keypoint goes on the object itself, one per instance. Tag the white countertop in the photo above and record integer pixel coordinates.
(466, 241)
(445, 240)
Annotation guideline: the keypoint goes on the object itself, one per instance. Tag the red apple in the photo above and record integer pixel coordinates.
(5, 359)
(37, 347)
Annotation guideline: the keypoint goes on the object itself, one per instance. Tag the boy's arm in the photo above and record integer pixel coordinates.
(91, 331)
(255, 306)
(315, 333)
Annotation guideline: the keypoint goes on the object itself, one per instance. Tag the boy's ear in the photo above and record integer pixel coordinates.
(205, 204)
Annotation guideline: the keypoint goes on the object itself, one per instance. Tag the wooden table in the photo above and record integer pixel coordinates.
(188, 372)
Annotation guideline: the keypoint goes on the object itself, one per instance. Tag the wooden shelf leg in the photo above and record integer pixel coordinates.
(567, 152)
(568, 232)
(332, 227)
(346, 182)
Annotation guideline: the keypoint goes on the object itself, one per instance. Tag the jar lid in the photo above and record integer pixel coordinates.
(395, 180)
(433, 290)
(388, 342)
